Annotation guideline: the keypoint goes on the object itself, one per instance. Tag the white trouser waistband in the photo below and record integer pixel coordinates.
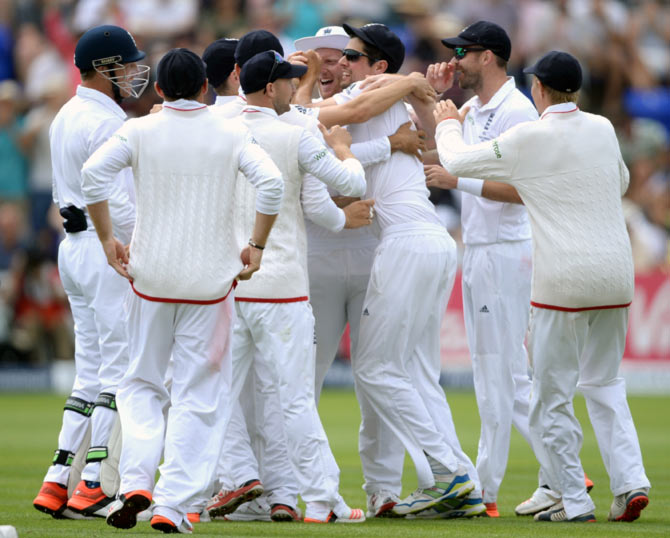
(413, 228)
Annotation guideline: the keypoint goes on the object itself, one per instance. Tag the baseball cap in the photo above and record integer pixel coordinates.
(485, 34)
(181, 73)
(379, 36)
(558, 70)
(328, 37)
(267, 67)
(254, 42)
(219, 57)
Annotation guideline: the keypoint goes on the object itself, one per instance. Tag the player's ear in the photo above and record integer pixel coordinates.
(381, 66)
(158, 90)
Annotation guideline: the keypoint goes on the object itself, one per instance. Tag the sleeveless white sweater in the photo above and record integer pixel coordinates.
(283, 273)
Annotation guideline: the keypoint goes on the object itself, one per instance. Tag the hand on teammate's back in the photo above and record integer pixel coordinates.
(408, 140)
(423, 91)
(359, 214)
(336, 136)
(436, 176)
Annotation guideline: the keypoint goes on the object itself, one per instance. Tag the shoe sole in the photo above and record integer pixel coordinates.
(56, 513)
(633, 509)
(386, 511)
(126, 516)
(236, 502)
(165, 528)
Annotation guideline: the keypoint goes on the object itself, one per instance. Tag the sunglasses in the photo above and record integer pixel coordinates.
(354, 55)
(278, 61)
(460, 52)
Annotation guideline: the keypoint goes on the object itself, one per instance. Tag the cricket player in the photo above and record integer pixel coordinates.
(567, 168)
(497, 258)
(107, 58)
(184, 259)
(397, 365)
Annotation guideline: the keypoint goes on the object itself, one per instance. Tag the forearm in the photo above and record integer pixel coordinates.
(501, 192)
(99, 213)
(424, 113)
(262, 226)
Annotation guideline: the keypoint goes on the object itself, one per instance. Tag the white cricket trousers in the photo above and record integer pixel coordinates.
(198, 337)
(338, 281)
(397, 367)
(278, 338)
(96, 294)
(583, 350)
(496, 306)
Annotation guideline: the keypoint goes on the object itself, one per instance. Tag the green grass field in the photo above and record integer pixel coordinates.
(30, 424)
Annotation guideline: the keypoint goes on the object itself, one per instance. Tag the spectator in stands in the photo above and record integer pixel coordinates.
(13, 165)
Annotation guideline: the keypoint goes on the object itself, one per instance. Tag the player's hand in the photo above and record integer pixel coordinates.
(336, 136)
(117, 256)
(297, 57)
(441, 76)
(359, 214)
(372, 82)
(423, 91)
(408, 140)
(436, 176)
(311, 60)
(447, 110)
(251, 258)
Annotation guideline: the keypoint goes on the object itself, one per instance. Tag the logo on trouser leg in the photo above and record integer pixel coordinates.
(484, 309)
(365, 312)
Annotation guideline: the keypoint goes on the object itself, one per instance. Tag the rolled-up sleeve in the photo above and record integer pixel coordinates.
(262, 173)
(102, 167)
(347, 177)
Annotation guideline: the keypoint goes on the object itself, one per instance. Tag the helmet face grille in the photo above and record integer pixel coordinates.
(132, 81)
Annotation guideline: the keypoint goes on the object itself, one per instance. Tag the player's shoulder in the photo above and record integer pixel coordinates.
(516, 105)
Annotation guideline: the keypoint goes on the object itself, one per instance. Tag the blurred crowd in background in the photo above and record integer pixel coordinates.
(624, 47)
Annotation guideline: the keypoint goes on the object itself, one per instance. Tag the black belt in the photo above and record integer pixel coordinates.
(75, 219)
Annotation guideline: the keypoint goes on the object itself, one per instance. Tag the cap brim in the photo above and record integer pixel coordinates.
(338, 42)
(530, 70)
(294, 71)
(452, 42)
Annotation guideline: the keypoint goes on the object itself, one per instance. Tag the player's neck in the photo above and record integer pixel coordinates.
(490, 86)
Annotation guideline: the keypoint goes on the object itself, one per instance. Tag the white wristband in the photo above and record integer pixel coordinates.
(470, 185)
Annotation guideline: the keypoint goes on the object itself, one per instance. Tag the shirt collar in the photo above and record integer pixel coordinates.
(561, 108)
(94, 95)
(498, 97)
(184, 105)
(251, 109)
(223, 99)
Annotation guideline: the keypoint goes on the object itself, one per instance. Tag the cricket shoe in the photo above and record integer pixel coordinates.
(588, 483)
(542, 499)
(455, 485)
(284, 513)
(227, 501)
(123, 511)
(381, 503)
(471, 506)
(198, 517)
(350, 515)
(89, 501)
(557, 514)
(51, 499)
(255, 510)
(166, 526)
(492, 509)
(627, 506)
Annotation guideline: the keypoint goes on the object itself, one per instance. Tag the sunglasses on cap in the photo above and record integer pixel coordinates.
(354, 55)
(460, 52)
(278, 60)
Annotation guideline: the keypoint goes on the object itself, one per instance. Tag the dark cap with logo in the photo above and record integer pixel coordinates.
(181, 73)
(267, 67)
(485, 34)
(380, 37)
(254, 42)
(220, 60)
(558, 70)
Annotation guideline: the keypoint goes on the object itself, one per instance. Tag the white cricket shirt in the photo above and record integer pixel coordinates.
(487, 221)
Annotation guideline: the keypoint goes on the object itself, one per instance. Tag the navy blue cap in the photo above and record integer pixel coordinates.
(220, 60)
(383, 39)
(105, 45)
(558, 70)
(267, 67)
(485, 34)
(254, 42)
(181, 73)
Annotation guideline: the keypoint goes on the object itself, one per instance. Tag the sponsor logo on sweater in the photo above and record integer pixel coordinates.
(496, 150)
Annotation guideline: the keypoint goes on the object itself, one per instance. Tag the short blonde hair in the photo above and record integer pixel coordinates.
(558, 97)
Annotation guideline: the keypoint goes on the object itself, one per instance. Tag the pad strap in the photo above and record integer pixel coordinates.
(96, 453)
(79, 406)
(106, 399)
(63, 457)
